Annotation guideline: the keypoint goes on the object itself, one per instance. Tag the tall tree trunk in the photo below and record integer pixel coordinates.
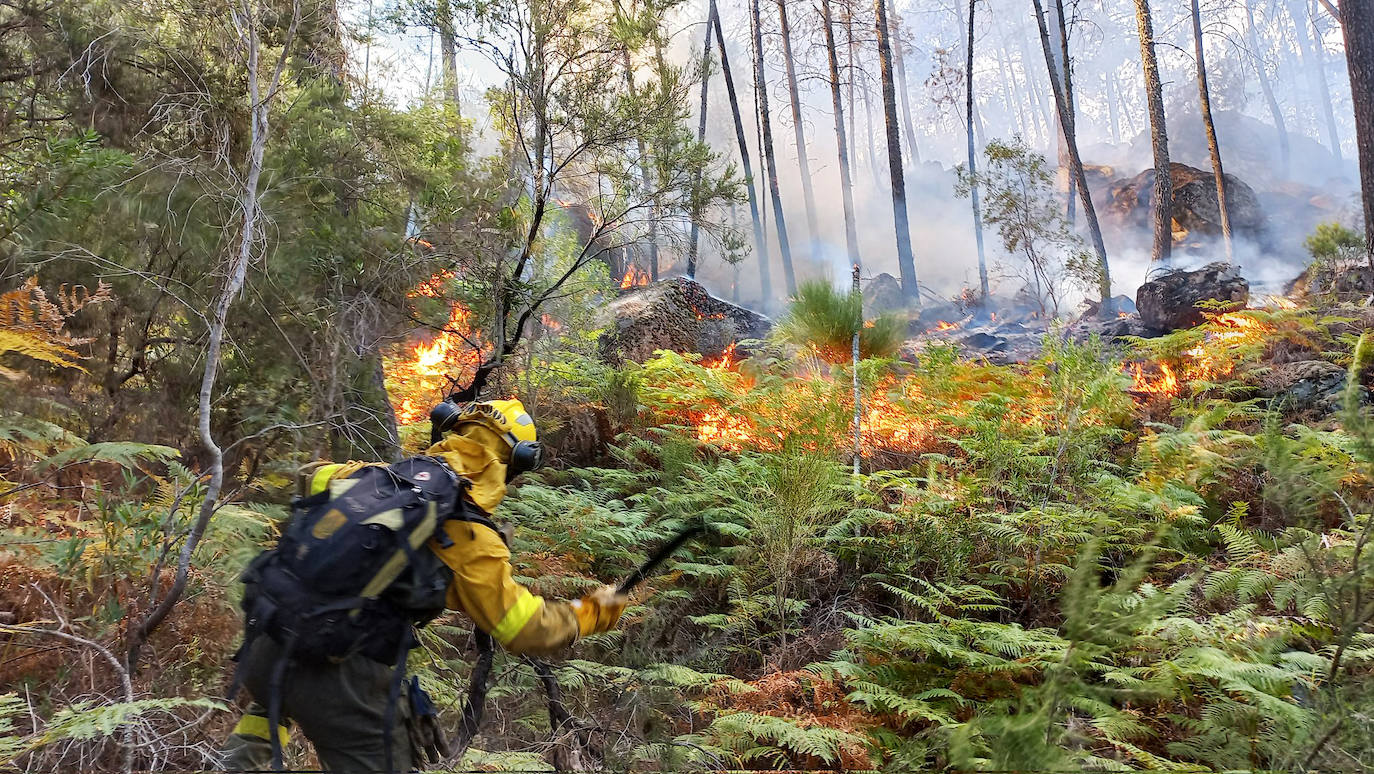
(973, 159)
(646, 178)
(1357, 23)
(899, 60)
(694, 236)
(1059, 42)
(868, 130)
(1113, 116)
(766, 127)
(760, 247)
(851, 236)
(1046, 115)
(448, 50)
(799, 130)
(1310, 51)
(1323, 87)
(906, 260)
(1008, 74)
(1085, 198)
(1066, 72)
(1161, 251)
(852, 74)
(1205, 100)
(1262, 71)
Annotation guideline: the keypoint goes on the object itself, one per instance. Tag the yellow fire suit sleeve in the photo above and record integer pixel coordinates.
(484, 589)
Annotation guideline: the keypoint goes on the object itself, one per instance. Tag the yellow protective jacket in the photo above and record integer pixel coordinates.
(482, 584)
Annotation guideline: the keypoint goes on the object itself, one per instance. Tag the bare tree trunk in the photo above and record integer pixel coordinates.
(852, 72)
(799, 130)
(694, 236)
(1309, 52)
(1262, 71)
(1059, 43)
(1357, 22)
(1066, 72)
(1324, 88)
(244, 16)
(646, 181)
(1161, 251)
(868, 131)
(906, 260)
(1205, 99)
(899, 60)
(765, 277)
(1085, 198)
(1047, 117)
(851, 236)
(448, 50)
(1018, 104)
(973, 159)
(766, 126)
(1113, 116)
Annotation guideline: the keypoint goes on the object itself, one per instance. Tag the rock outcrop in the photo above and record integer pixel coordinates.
(676, 314)
(1196, 209)
(1169, 302)
(883, 294)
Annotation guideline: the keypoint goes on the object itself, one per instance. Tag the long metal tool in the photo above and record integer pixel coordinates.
(637, 577)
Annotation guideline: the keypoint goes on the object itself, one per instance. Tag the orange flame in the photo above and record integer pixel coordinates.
(550, 323)
(1165, 384)
(726, 359)
(634, 277)
(1214, 357)
(419, 375)
(945, 326)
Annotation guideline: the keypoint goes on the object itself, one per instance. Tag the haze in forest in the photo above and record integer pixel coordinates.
(1290, 48)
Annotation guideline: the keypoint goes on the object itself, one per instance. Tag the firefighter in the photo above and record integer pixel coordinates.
(343, 708)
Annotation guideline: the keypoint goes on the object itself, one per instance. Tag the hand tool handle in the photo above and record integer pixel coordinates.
(644, 570)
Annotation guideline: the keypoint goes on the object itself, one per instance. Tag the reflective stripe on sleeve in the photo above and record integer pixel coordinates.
(256, 726)
(515, 619)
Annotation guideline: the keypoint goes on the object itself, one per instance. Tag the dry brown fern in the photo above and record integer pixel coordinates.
(34, 326)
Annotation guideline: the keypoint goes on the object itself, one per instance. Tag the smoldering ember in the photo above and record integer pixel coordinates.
(615, 385)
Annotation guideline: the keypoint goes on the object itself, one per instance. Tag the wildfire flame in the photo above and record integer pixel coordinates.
(634, 277)
(726, 359)
(1165, 384)
(1212, 358)
(945, 326)
(420, 374)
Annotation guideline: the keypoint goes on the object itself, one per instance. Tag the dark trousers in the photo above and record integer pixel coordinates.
(341, 708)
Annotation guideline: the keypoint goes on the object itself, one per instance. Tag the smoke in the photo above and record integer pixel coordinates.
(1013, 97)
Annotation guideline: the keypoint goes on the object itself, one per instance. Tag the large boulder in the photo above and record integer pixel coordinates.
(1196, 209)
(1169, 302)
(676, 314)
(883, 294)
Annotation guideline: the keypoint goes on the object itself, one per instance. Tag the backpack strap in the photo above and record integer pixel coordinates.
(393, 697)
(274, 700)
(394, 565)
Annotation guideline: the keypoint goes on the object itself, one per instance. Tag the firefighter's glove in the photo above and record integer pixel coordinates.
(600, 610)
(426, 738)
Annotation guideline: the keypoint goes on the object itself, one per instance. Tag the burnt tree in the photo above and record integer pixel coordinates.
(1163, 198)
(906, 260)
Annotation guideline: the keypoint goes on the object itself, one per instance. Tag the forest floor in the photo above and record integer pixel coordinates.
(1108, 558)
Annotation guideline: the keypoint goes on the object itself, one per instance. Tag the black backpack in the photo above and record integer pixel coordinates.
(351, 574)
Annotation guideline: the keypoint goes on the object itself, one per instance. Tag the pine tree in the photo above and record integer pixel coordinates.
(1163, 198)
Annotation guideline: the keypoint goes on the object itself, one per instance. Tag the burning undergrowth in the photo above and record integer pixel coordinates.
(1231, 350)
(765, 402)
